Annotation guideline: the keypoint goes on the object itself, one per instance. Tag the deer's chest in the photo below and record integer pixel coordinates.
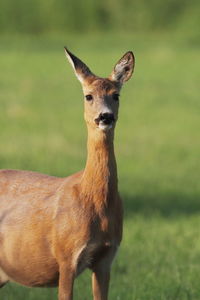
(94, 252)
(104, 236)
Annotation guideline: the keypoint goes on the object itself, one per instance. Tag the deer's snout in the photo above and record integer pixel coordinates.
(105, 118)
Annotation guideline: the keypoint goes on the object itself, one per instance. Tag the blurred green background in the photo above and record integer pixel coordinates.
(36, 16)
(157, 137)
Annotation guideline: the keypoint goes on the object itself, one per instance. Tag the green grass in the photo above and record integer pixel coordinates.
(157, 147)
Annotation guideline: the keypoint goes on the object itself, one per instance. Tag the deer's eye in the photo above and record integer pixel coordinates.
(116, 97)
(88, 97)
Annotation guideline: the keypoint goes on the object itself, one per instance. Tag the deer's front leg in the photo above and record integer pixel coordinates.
(100, 283)
(66, 281)
(101, 276)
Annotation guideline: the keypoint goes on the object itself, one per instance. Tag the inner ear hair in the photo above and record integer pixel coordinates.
(124, 68)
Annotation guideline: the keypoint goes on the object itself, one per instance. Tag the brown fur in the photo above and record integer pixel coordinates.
(52, 228)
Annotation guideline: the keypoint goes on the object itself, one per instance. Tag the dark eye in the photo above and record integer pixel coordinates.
(116, 97)
(88, 97)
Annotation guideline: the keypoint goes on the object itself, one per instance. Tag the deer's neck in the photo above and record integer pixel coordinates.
(99, 181)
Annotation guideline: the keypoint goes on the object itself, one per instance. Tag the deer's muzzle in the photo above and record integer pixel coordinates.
(105, 119)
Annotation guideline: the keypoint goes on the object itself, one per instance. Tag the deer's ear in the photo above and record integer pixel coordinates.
(124, 68)
(81, 70)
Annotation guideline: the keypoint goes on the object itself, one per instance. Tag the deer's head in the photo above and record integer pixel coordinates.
(102, 94)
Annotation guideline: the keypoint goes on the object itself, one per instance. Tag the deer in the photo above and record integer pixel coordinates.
(53, 228)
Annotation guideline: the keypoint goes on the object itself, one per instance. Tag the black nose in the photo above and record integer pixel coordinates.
(107, 118)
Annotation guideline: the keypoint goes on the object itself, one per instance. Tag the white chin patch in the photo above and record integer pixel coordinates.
(105, 127)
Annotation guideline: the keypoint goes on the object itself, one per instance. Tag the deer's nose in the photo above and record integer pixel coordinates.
(107, 118)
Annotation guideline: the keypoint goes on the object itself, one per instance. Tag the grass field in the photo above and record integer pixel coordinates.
(157, 147)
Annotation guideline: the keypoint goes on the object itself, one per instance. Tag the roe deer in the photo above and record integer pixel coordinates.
(52, 228)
